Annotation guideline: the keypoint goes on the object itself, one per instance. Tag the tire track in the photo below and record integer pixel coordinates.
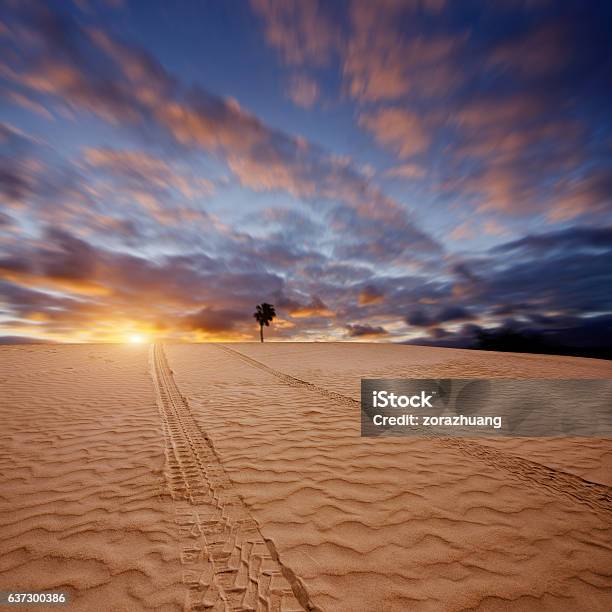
(228, 565)
(598, 497)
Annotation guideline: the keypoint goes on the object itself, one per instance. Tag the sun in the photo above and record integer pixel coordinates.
(136, 339)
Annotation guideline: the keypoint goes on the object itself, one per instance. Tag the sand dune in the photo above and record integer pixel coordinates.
(394, 524)
(84, 506)
(233, 477)
(351, 362)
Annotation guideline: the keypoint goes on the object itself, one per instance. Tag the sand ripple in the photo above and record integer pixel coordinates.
(392, 524)
(84, 506)
(114, 482)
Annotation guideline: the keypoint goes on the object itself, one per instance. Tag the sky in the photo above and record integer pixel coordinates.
(395, 171)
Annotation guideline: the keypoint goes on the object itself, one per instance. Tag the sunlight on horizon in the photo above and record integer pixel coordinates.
(136, 339)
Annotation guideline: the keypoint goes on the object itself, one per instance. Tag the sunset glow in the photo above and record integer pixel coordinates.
(380, 172)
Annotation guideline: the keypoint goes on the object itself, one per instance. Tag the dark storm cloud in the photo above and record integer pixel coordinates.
(581, 336)
(421, 318)
(547, 285)
(13, 185)
(214, 320)
(567, 271)
(72, 258)
(575, 238)
(358, 331)
(510, 309)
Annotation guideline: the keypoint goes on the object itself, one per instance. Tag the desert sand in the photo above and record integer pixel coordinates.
(233, 477)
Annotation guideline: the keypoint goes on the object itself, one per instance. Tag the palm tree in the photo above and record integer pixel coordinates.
(264, 313)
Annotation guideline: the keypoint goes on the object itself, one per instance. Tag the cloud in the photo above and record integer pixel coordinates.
(422, 318)
(494, 228)
(377, 62)
(564, 273)
(124, 85)
(301, 31)
(463, 231)
(303, 91)
(315, 308)
(22, 340)
(381, 236)
(515, 153)
(491, 101)
(106, 290)
(590, 193)
(213, 320)
(562, 241)
(360, 331)
(535, 53)
(371, 294)
(400, 130)
(570, 336)
(18, 176)
(380, 63)
(405, 171)
(17, 98)
(271, 173)
(561, 272)
(142, 171)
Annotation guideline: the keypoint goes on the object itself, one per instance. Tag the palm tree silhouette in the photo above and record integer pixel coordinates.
(264, 313)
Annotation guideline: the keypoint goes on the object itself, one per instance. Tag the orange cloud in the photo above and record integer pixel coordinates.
(380, 63)
(146, 168)
(398, 129)
(517, 108)
(316, 308)
(303, 91)
(588, 194)
(370, 295)
(300, 30)
(269, 175)
(406, 171)
(494, 228)
(37, 281)
(139, 91)
(29, 104)
(465, 231)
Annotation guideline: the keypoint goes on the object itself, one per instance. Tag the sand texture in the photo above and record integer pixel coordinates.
(84, 507)
(399, 524)
(233, 477)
